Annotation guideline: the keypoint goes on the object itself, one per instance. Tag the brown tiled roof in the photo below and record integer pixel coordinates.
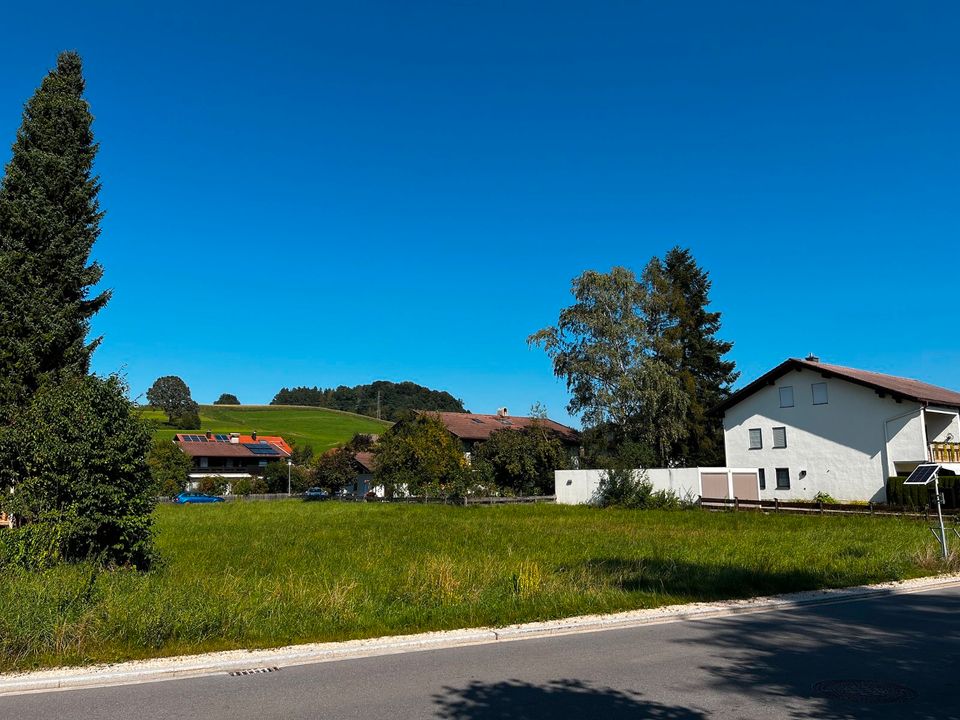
(897, 387)
(472, 426)
(227, 449)
(366, 460)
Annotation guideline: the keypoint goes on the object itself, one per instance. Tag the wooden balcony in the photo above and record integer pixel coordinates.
(945, 452)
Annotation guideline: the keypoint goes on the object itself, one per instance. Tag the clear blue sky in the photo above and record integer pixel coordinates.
(325, 194)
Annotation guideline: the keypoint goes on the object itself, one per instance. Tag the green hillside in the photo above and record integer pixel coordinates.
(319, 427)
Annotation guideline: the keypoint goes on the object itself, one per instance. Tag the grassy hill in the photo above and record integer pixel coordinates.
(320, 427)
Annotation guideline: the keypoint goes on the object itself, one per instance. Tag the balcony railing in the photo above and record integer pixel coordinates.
(948, 452)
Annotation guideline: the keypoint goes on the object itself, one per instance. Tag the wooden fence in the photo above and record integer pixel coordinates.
(821, 508)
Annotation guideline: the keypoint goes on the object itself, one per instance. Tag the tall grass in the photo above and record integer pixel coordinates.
(268, 574)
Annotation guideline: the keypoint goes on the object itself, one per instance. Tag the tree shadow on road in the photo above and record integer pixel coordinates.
(554, 700)
(910, 641)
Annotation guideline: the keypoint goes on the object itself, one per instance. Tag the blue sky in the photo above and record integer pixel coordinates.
(326, 194)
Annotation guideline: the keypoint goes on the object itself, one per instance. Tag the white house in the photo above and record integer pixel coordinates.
(811, 427)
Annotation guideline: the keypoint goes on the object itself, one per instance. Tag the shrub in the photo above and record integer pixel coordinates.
(825, 498)
(187, 420)
(621, 487)
(242, 487)
(75, 457)
(212, 485)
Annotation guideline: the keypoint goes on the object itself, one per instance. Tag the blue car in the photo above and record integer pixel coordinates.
(191, 496)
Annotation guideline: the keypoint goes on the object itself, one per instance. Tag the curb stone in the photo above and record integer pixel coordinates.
(189, 666)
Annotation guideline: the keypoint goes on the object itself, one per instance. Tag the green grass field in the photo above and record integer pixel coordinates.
(318, 427)
(259, 574)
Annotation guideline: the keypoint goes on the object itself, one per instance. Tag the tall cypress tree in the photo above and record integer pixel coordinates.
(684, 335)
(49, 221)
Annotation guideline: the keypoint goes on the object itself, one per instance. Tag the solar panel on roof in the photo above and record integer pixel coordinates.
(261, 449)
(922, 475)
(222, 438)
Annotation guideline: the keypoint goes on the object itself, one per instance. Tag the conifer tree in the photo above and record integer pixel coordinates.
(684, 336)
(49, 221)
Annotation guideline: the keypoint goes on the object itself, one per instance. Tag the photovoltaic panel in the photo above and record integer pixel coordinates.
(222, 438)
(922, 475)
(261, 449)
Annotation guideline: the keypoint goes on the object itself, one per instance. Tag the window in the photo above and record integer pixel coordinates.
(756, 439)
(763, 479)
(783, 478)
(779, 437)
(786, 396)
(204, 462)
(819, 393)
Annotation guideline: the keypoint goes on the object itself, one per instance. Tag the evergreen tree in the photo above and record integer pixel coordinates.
(49, 221)
(684, 336)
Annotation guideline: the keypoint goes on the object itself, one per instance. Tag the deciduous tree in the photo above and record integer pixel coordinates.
(75, 457)
(171, 394)
(521, 461)
(418, 455)
(602, 346)
(169, 467)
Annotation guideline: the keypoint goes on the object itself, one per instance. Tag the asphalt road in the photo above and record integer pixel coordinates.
(897, 656)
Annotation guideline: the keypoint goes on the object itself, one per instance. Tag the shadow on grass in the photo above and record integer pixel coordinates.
(694, 580)
(897, 656)
(554, 700)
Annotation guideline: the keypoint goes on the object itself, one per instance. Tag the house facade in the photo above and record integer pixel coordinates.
(231, 455)
(812, 427)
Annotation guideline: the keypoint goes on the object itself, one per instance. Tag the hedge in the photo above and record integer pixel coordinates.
(920, 495)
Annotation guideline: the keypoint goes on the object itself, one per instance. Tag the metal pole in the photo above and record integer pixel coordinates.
(943, 530)
(289, 465)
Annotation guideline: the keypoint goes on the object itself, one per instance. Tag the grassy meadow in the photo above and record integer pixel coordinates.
(256, 574)
(320, 427)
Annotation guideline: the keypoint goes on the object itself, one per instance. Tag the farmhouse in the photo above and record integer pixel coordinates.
(472, 428)
(812, 427)
(231, 455)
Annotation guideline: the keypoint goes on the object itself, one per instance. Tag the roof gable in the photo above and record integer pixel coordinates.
(896, 387)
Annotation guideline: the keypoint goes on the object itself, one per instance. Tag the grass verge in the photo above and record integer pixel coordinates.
(268, 574)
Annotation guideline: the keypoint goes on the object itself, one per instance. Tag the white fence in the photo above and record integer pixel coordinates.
(577, 487)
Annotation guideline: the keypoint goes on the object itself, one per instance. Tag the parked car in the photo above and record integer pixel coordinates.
(192, 496)
(316, 493)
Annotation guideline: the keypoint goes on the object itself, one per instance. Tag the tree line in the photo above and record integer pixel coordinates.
(390, 398)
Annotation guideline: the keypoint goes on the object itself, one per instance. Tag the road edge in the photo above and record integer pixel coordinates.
(223, 662)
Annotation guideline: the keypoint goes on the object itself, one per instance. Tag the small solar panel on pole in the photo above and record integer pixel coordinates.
(924, 474)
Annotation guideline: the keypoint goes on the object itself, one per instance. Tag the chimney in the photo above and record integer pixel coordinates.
(254, 435)
(812, 358)
(209, 434)
(502, 412)
(235, 438)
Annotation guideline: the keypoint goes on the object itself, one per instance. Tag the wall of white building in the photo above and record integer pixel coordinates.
(846, 447)
(578, 487)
